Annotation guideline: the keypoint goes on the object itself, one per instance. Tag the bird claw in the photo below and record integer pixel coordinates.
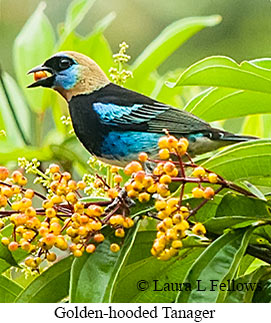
(122, 198)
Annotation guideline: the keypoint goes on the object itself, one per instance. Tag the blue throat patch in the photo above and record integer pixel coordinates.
(68, 78)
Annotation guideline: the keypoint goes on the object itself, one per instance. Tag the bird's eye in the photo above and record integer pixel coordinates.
(64, 63)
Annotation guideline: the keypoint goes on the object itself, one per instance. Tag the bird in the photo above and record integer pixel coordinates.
(114, 123)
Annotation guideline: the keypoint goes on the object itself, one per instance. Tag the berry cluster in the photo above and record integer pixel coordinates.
(62, 222)
(66, 222)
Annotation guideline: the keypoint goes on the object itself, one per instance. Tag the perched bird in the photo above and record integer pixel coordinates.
(114, 123)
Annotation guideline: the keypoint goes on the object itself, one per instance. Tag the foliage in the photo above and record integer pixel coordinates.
(35, 124)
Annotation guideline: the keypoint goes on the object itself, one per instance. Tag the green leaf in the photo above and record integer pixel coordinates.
(236, 210)
(245, 161)
(218, 263)
(157, 274)
(76, 12)
(93, 276)
(222, 71)
(28, 152)
(264, 295)
(49, 287)
(168, 41)
(225, 103)
(8, 290)
(21, 110)
(32, 46)
(249, 284)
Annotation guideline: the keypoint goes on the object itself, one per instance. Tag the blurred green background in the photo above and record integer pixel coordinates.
(243, 34)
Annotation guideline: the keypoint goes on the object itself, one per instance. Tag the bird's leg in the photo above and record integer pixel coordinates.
(121, 199)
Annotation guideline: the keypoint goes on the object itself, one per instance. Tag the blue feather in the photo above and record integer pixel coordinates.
(109, 112)
(119, 145)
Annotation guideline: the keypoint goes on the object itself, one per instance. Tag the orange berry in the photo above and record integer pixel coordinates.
(143, 157)
(29, 194)
(98, 237)
(39, 75)
(114, 169)
(172, 142)
(3, 173)
(13, 246)
(169, 167)
(114, 247)
(90, 248)
(66, 176)
(118, 178)
(197, 192)
(16, 175)
(16, 189)
(81, 185)
(208, 193)
(7, 191)
(112, 193)
(94, 210)
(3, 201)
(139, 176)
(116, 219)
(132, 194)
(72, 185)
(132, 167)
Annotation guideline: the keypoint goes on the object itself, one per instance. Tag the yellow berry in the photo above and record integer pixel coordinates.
(165, 179)
(162, 190)
(164, 153)
(77, 253)
(114, 247)
(160, 205)
(184, 211)
(199, 172)
(148, 181)
(5, 241)
(172, 142)
(144, 197)
(51, 257)
(120, 233)
(128, 223)
(116, 219)
(168, 222)
(163, 142)
(213, 178)
(197, 192)
(177, 218)
(199, 229)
